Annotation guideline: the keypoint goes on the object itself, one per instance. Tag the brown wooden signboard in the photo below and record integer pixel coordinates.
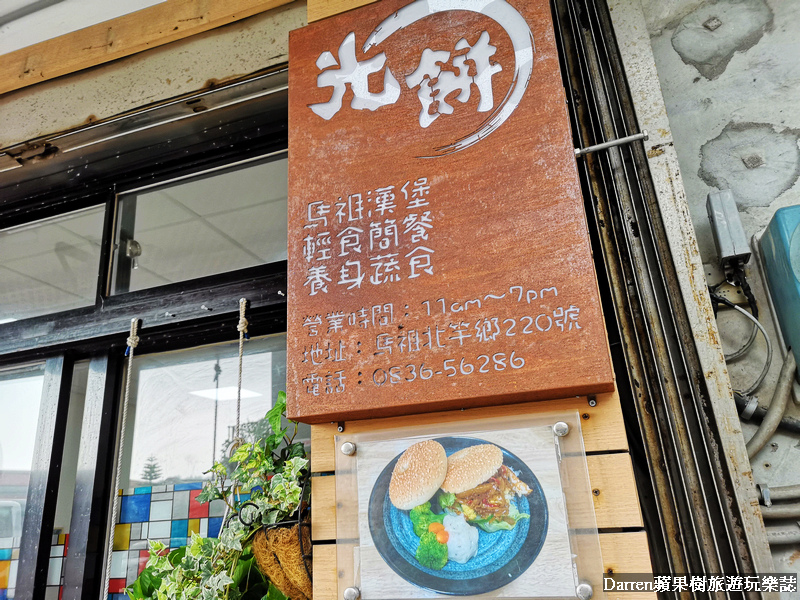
(438, 251)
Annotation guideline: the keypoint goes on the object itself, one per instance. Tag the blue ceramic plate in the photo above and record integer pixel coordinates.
(502, 556)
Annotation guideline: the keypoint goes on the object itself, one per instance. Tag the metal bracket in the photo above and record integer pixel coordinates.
(750, 408)
(611, 143)
(765, 496)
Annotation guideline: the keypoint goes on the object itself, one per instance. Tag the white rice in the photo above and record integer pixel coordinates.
(463, 541)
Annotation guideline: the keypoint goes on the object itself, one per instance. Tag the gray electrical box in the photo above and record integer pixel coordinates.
(727, 227)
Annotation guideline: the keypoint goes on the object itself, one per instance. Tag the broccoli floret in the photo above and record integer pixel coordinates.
(446, 499)
(419, 511)
(431, 553)
(421, 517)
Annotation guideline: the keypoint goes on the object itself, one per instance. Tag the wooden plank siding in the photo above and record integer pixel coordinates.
(322, 9)
(602, 425)
(622, 553)
(623, 541)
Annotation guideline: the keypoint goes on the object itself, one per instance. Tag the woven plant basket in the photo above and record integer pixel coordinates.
(283, 550)
(290, 579)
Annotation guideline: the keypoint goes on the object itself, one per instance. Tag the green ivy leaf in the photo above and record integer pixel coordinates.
(176, 556)
(276, 412)
(145, 585)
(275, 594)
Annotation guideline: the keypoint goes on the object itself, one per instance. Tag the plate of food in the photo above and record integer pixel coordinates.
(458, 515)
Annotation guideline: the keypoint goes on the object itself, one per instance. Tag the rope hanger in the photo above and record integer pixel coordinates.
(131, 343)
(242, 328)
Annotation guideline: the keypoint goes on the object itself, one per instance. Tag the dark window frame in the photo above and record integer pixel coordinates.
(175, 316)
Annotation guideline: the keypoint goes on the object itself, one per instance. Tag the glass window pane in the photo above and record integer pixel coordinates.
(181, 417)
(50, 265)
(66, 485)
(20, 400)
(213, 223)
(182, 410)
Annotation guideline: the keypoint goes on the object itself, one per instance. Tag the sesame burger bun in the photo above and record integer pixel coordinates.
(470, 467)
(418, 475)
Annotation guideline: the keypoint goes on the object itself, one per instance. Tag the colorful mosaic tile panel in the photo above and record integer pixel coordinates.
(167, 513)
(9, 563)
(57, 567)
(5, 569)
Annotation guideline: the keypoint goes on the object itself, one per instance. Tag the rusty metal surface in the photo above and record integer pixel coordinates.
(427, 271)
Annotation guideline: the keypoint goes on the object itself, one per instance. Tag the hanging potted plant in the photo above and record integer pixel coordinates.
(263, 549)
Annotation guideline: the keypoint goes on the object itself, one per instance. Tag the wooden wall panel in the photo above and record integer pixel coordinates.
(623, 542)
(603, 430)
(622, 553)
(322, 9)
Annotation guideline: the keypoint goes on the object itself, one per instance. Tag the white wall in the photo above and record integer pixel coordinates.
(178, 68)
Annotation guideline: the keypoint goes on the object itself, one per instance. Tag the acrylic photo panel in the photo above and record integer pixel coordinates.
(540, 543)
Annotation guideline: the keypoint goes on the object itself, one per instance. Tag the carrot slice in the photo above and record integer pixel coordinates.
(435, 527)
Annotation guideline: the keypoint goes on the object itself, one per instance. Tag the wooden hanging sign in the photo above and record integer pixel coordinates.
(438, 248)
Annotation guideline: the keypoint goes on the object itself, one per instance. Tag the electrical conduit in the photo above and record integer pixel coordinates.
(776, 408)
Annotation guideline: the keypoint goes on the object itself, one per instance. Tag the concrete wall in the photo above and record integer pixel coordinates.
(731, 96)
(729, 76)
(171, 70)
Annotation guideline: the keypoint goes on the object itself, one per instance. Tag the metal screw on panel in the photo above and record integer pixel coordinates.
(561, 429)
(592, 400)
(584, 591)
(349, 448)
(352, 593)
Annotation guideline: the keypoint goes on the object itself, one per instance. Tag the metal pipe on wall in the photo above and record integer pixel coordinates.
(789, 534)
(776, 408)
(781, 511)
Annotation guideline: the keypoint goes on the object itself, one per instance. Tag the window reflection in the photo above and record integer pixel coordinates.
(182, 412)
(20, 400)
(181, 417)
(50, 265)
(212, 223)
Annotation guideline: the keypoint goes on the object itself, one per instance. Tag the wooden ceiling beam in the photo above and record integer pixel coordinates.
(141, 30)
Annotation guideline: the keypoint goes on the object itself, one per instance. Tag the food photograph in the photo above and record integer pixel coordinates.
(463, 515)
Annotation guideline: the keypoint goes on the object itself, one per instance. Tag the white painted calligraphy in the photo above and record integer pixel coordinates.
(356, 74)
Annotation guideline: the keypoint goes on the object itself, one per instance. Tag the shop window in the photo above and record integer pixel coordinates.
(181, 417)
(50, 265)
(66, 487)
(207, 224)
(20, 400)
